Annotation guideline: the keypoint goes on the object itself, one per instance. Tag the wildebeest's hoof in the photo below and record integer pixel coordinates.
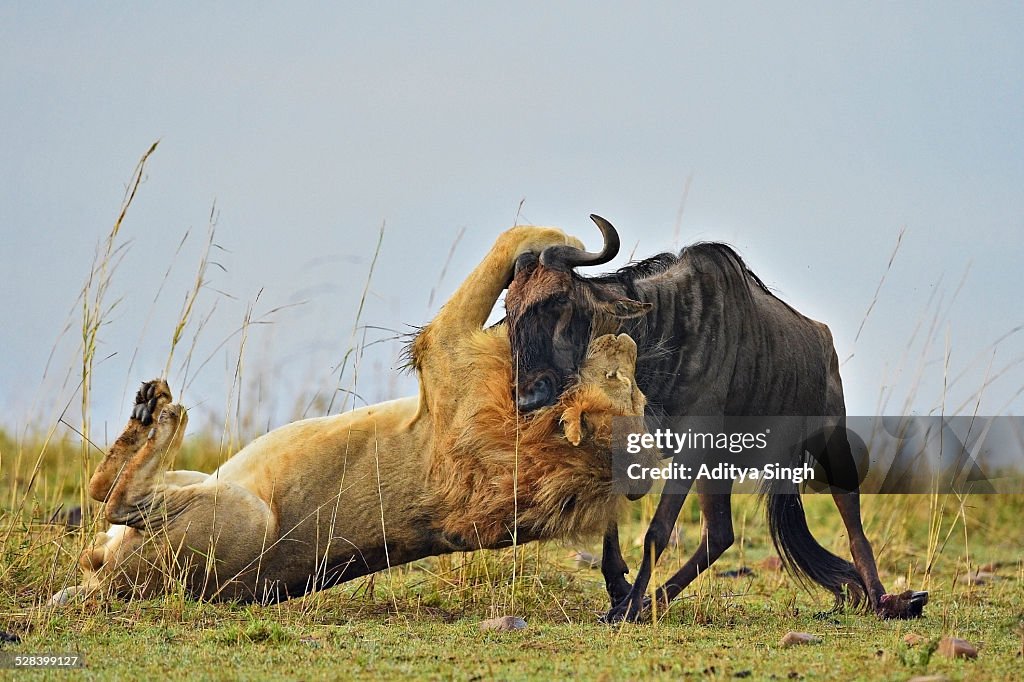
(905, 605)
(628, 610)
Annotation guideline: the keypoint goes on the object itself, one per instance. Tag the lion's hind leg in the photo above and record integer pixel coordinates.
(97, 558)
(149, 402)
(97, 561)
(129, 480)
(138, 487)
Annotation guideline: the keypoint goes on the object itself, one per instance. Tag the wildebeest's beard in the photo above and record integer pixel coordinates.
(549, 342)
(553, 314)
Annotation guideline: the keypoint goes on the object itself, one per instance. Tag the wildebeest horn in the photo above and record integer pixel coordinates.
(566, 257)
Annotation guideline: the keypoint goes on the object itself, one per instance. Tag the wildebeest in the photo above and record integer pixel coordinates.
(326, 500)
(713, 341)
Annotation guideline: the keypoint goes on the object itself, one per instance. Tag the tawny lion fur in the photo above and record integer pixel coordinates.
(326, 500)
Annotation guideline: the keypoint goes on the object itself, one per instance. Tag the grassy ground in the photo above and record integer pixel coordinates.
(422, 620)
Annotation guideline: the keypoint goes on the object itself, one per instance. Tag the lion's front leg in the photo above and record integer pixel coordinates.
(439, 347)
(471, 304)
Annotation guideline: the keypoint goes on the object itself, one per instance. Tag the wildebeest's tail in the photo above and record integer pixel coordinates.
(802, 554)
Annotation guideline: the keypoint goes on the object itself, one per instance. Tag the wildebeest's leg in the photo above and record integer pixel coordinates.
(613, 566)
(655, 541)
(716, 537)
(908, 604)
(848, 504)
(839, 460)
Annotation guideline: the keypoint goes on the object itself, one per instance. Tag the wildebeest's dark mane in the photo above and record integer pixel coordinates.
(628, 274)
(718, 253)
(724, 255)
(647, 267)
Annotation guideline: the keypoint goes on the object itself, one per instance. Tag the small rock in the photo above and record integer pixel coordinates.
(585, 559)
(913, 639)
(72, 518)
(741, 572)
(796, 638)
(772, 563)
(504, 624)
(953, 647)
(977, 578)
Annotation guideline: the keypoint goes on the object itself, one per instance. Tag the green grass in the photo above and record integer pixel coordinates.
(421, 621)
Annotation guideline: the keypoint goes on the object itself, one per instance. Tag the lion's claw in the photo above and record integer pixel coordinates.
(148, 400)
(143, 414)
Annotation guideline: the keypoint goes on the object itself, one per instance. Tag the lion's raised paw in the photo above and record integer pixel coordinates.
(150, 400)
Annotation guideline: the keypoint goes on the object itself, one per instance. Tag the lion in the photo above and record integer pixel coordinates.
(325, 500)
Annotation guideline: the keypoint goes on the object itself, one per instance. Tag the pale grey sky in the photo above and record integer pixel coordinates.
(808, 135)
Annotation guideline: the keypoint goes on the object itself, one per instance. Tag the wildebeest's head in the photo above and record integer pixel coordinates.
(553, 313)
